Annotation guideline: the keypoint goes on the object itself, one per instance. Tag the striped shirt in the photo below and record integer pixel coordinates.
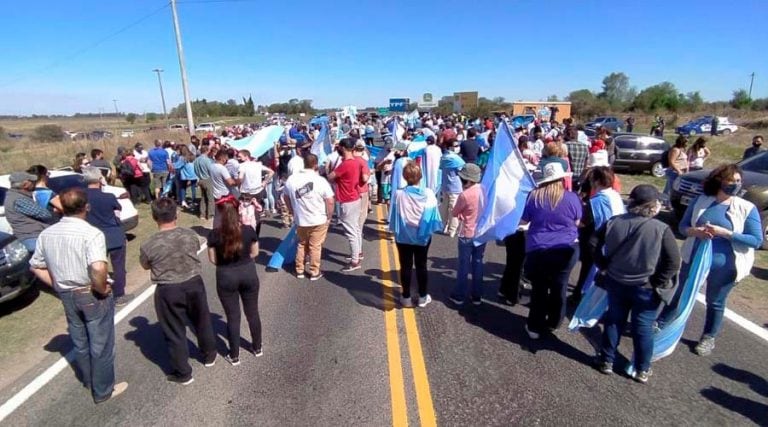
(67, 249)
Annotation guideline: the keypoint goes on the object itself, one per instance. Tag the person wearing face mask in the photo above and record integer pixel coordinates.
(733, 225)
(451, 164)
(638, 259)
(756, 148)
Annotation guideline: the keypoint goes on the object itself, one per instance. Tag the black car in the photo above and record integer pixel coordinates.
(755, 188)
(639, 153)
(15, 276)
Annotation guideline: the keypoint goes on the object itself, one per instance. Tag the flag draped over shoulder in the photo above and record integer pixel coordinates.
(594, 302)
(665, 340)
(322, 147)
(506, 185)
(260, 142)
(286, 251)
(416, 217)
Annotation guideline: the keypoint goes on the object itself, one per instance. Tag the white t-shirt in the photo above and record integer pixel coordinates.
(307, 191)
(142, 159)
(219, 176)
(295, 165)
(250, 177)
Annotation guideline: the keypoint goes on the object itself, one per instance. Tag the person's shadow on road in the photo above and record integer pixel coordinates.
(151, 341)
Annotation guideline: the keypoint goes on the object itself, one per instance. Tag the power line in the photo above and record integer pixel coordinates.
(216, 1)
(87, 48)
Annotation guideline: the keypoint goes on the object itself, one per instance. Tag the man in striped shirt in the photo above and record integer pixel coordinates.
(71, 256)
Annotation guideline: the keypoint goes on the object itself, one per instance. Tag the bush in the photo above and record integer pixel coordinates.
(48, 133)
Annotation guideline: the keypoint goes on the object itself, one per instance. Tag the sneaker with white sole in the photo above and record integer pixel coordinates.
(300, 275)
(532, 335)
(424, 301)
(234, 361)
(117, 390)
(179, 380)
(352, 267)
(316, 277)
(258, 352)
(406, 302)
(456, 300)
(211, 363)
(642, 376)
(705, 346)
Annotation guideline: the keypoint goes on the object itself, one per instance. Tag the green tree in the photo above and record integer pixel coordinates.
(740, 99)
(616, 90)
(585, 104)
(131, 118)
(150, 117)
(48, 133)
(552, 98)
(694, 101)
(663, 96)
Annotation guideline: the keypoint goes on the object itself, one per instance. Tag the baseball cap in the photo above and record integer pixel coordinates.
(642, 194)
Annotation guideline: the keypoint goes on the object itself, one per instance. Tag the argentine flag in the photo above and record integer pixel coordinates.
(322, 147)
(506, 185)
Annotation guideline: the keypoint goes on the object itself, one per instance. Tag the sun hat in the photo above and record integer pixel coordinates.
(553, 172)
(642, 194)
(17, 177)
(598, 158)
(471, 172)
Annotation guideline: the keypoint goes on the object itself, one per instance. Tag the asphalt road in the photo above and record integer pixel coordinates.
(336, 352)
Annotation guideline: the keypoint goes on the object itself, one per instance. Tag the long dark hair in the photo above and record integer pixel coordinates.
(231, 235)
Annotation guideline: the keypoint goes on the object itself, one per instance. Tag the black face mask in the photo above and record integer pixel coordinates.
(756, 144)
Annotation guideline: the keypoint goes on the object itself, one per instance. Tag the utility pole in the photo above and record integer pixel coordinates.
(184, 84)
(162, 95)
(751, 82)
(117, 112)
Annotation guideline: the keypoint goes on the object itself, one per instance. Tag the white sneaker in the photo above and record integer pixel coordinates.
(406, 302)
(532, 335)
(423, 301)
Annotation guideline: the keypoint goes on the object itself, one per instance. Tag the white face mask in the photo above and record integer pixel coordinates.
(456, 149)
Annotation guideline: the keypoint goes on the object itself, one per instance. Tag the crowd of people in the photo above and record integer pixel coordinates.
(575, 213)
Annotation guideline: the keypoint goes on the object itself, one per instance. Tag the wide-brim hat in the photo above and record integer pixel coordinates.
(553, 172)
(471, 172)
(598, 158)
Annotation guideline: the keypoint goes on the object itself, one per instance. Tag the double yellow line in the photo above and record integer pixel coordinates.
(424, 404)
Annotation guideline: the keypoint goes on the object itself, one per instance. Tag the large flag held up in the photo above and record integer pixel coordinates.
(322, 146)
(506, 184)
(260, 142)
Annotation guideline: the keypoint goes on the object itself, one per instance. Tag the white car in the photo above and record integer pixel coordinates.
(177, 126)
(60, 180)
(206, 127)
(126, 133)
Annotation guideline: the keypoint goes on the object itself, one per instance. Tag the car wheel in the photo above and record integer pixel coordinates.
(657, 170)
(692, 132)
(726, 132)
(764, 221)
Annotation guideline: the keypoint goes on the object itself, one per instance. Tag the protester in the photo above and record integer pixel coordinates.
(348, 177)
(733, 224)
(415, 218)
(551, 248)
(470, 253)
(221, 180)
(450, 165)
(161, 166)
(202, 167)
(630, 122)
(310, 199)
(44, 196)
(253, 177)
(578, 153)
(232, 248)
(142, 157)
(71, 257)
(697, 154)
(638, 259)
(553, 153)
(98, 161)
(171, 255)
(433, 155)
(756, 148)
(185, 176)
(26, 218)
(80, 162)
(131, 175)
(678, 163)
(102, 214)
(361, 157)
(470, 148)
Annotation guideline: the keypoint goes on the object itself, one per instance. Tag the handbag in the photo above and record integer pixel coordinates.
(602, 275)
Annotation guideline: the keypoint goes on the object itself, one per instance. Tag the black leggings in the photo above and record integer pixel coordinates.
(232, 284)
(410, 255)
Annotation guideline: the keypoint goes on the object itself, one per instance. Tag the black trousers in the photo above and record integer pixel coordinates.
(233, 284)
(585, 256)
(175, 304)
(549, 270)
(144, 182)
(513, 270)
(410, 255)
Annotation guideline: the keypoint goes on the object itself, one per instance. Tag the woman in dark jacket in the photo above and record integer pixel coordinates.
(232, 248)
(638, 259)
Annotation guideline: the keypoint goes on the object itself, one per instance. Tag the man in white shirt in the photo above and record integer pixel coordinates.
(309, 198)
(296, 163)
(252, 175)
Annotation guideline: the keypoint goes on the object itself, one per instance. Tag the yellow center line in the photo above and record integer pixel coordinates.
(394, 359)
(419, 368)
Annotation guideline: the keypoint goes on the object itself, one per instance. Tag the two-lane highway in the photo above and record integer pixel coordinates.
(341, 351)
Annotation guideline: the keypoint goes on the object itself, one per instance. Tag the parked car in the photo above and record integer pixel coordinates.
(60, 180)
(126, 133)
(639, 153)
(754, 178)
(703, 125)
(205, 127)
(15, 276)
(99, 134)
(609, 122)
(177, 126)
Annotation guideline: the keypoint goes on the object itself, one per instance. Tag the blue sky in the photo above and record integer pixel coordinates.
(363, 53)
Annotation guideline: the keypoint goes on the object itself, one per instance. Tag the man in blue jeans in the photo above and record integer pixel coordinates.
(161, 166)
(71, 256)
(471, 255)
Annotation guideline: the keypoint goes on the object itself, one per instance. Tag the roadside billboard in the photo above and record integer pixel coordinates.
(463, 101)
(399, 104)
(427, 101)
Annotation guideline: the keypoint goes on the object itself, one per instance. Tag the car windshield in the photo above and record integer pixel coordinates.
(599, 119)
(757, 164)
(61, 183)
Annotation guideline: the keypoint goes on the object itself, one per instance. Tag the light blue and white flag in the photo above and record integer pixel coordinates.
(260, 142)
(322, 146)
(506, 185)
(286, 251)
(414, 215)
(666, 339)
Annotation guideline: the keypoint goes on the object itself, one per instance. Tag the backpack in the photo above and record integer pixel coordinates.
(126, 169)
(665, 158)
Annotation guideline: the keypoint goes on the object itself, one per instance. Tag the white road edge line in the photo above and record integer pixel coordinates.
(739, 320)
(41, 380)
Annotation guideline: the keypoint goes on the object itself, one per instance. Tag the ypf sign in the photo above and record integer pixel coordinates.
(399, 104)
(426, 101)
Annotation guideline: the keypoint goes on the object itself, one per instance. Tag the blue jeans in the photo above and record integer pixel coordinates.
(671, 176)
(182, 186)
(91, 324)
(720, 282)
(470, 260)
(30, 244)
(643, 303)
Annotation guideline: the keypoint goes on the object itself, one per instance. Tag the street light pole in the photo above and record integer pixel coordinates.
(184, 84)
(162, 95)
(751, 82)
(117, 112)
